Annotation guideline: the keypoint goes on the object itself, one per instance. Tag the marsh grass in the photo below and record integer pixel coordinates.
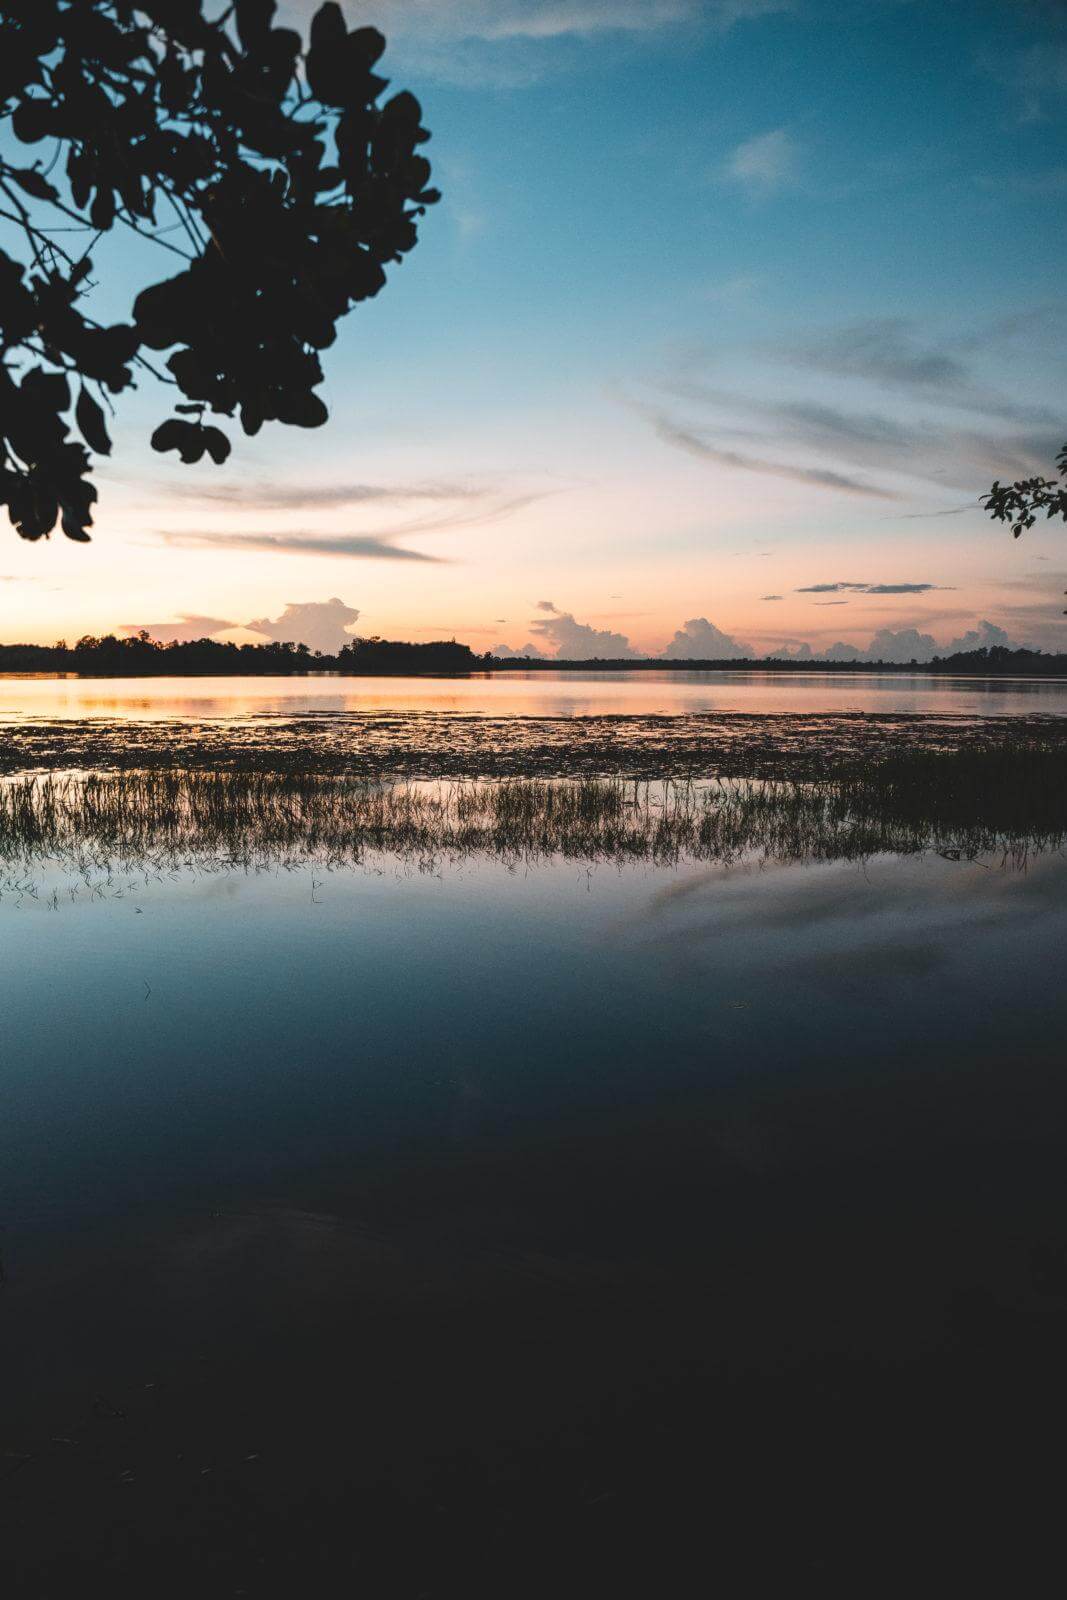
(1001, 803)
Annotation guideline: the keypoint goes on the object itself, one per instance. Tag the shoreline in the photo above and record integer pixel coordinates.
(937, 668)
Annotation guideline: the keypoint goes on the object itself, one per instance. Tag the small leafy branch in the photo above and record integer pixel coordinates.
(1020, 502)
(279, 176)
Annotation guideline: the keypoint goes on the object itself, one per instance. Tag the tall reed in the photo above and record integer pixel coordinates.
(964, 802)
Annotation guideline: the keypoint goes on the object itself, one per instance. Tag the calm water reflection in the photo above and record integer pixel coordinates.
(535, 694)
(180, 1044)
(422, 1223)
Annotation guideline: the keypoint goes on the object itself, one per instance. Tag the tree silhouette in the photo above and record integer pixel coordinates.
(281, 177)
(1020, 502)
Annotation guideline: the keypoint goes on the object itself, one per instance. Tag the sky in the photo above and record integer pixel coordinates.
(730, 312)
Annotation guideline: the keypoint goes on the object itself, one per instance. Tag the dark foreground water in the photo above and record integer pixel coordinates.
(529, 1230)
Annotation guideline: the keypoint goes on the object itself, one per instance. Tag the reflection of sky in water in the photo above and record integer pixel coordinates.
(214, 1033)
(529, 694)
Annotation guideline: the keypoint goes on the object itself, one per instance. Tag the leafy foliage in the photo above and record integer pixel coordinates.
(287, 179)
(1020, 502)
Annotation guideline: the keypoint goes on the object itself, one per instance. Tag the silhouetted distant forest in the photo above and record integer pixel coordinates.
(142, 656)
(996, 661)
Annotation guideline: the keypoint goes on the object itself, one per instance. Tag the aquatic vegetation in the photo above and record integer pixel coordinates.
(452, 744)
(1007, 803)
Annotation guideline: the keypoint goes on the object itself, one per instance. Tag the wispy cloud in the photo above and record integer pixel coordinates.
(1037, 74)
(764, 165)
(949, 511)
(684, 438)
(377, 544)
(463, 518)
(515, 43)
(916, 434)
(872, 588)
(356, 546)
(892, 353)
(886, 350)
(503, 20)
(907, 588)
(264, 496)
(770, 597)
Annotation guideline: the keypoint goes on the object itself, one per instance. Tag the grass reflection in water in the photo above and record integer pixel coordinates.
(1003, 803)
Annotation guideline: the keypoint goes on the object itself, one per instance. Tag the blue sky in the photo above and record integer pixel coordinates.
(724, 300)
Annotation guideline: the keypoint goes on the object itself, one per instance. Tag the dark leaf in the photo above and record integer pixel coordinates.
(91, 422)
(102, 211)
(328, 31)
(185, 437)
(48, 390)
(365, 45)
(254, 18)
(304, 410)
(32, 182)
(216, 444)
(33, 120)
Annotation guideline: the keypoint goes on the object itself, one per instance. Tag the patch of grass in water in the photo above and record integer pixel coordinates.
(966, 803)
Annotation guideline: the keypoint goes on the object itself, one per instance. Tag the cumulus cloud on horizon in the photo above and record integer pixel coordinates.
(571, 640)
(578, 641)
(320, 624)
(528, 650)
(902, 645)
(184, 630)
(700, 640)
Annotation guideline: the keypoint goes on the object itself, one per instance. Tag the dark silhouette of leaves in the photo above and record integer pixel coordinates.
(286, 191)
(32, 182)
(90, 418)
(192, 440)
(1020, 502)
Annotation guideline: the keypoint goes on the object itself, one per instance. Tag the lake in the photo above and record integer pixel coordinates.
(444, 1210)
(532, 694)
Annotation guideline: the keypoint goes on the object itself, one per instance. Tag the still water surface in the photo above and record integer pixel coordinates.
(347, 1215)
(429, 1223)
(532, 694)
(184, 1038)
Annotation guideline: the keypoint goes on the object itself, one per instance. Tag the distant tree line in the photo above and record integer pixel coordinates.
(997, 660)
(143, 656)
